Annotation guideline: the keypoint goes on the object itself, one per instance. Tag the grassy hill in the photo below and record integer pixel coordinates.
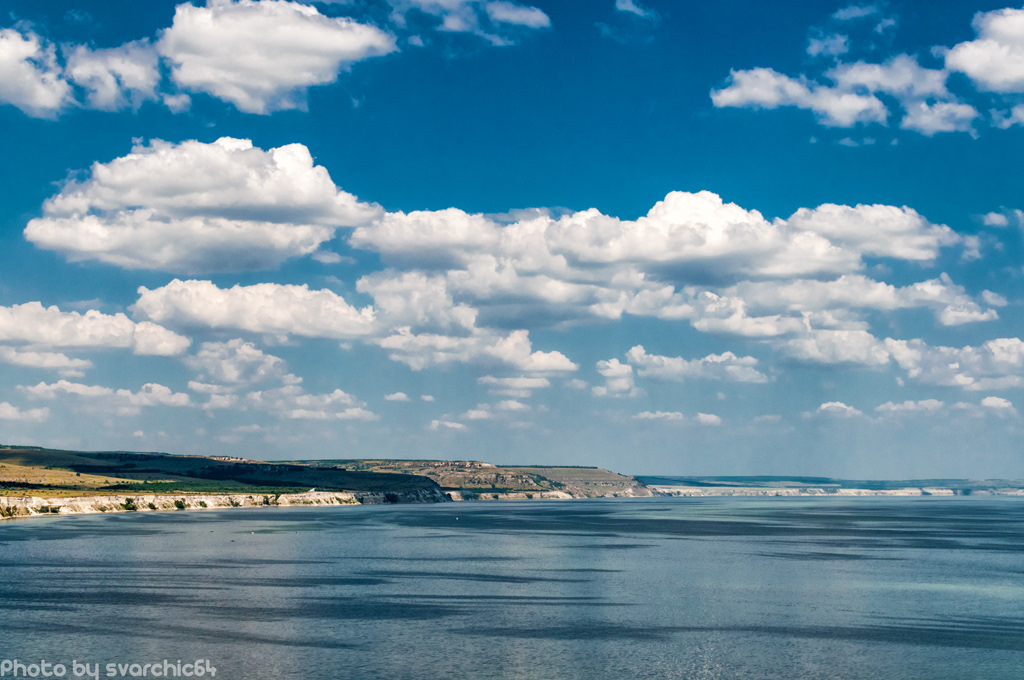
(475, 477)
(49, 472)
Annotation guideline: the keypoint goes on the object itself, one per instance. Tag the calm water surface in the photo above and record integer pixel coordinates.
(648, 588)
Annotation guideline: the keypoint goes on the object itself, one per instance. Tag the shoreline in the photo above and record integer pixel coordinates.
(818, 491)
(22, 507)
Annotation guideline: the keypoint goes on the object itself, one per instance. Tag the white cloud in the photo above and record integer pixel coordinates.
(520, 387)
(520, 15)
(416, 300)
(65, 365)
(261, 308)
(900, 76)
(939, 117)
(995, 60)
(766, 88)
(9, 412)
(831, 45)
(950, 301)
(292, 402)
(956, 315)
(618, 380)
(195, 207)
(997, 403)
(33, 324)
(677, 417)
(851, 12)
(237, 362)
(880, 230)
(423, 350)
(117, 77)
(838, 409)
(660, 415)
(123, 402)
(444, 237)
(446, 424)
(499, 410)
(852, 98)
(632, 7)
(262, 56)
(995, 364)
(497, 21)
(725, 366)
(838, 347)
(699, 232)
(396, 396)
(30, 77)
(922, 406)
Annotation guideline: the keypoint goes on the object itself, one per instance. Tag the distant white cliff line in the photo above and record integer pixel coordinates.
(820, 491)
(28, 506)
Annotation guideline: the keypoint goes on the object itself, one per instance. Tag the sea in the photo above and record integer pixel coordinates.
(721, 588)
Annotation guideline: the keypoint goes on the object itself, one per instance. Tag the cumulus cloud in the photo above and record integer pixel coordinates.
(725, 366)
(994, 61)
(838, 409)
(30, 77)
(995, 364)
(446, 424)
(520, 387)
(838, 347)
(121, 401)
(115, 78)
(269, 308)
(831, 45)
(922, 406)
(416, 300)
(879, 230)
(237, 362)
(443, 237)
(263, 55)
(856, 93)
(31, 323)
(997, 403)
(618, 380)
(195, 207)
(853, 291)
(501, 409)
(396, 396)
(677, 417)
(708, 419)
(63, 364)
(292, 402)
(674, 416)
(423, 350)
(765, 88)
(9, 412)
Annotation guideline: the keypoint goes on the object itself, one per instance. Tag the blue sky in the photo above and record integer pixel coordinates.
(740, 238)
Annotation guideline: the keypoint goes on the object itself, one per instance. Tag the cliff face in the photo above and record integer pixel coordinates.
(28, 506)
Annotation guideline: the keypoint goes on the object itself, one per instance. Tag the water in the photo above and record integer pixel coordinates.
(644, 588)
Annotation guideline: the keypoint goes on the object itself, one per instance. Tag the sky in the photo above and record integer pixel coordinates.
(672, 238)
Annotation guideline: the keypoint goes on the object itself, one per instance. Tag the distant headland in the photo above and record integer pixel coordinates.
(37, 481)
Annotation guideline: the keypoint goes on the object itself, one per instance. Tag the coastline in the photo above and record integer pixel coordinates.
(19, 507)
(703, 491)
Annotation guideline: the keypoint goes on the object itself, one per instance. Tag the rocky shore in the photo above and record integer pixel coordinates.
(34, 506)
